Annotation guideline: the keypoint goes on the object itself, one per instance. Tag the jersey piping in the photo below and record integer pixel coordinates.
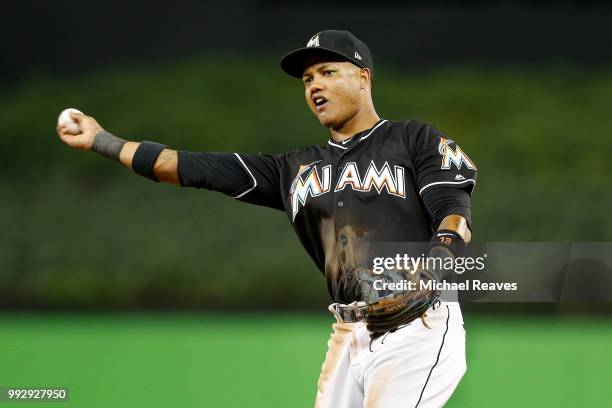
(250, 174)
(360, 139)
(454, 183)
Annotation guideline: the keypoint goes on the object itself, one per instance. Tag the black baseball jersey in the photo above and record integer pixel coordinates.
(366, 188)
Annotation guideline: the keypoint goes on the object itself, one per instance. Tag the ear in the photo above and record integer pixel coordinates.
(365, 76)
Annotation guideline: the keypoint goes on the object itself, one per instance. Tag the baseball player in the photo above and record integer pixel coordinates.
(375, 180)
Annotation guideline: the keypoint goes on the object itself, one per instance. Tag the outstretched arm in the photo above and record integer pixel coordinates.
(91, 136)
(166, 165)
(250, 178)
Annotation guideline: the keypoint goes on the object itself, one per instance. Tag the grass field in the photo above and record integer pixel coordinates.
(272, 360)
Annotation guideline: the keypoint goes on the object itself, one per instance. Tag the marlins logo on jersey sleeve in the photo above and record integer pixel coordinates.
(440, 162)
(456, 156)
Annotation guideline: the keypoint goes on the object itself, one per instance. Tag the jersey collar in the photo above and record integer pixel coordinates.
(363, 135)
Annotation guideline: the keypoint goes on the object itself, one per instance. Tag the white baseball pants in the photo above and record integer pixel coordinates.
(413, 367)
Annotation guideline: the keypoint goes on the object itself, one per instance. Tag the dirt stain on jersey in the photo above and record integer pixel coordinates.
(345, 251)
(328, 242)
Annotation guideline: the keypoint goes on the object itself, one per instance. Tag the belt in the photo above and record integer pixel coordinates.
(351, 313)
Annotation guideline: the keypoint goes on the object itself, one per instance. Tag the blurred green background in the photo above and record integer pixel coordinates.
(133, 293)
(538, 135)
(80, 230)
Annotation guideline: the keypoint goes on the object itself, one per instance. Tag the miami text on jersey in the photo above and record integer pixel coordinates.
(310, 182)
(457, 156)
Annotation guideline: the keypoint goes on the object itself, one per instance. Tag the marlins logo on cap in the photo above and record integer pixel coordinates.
(314, 41)
(334, 42)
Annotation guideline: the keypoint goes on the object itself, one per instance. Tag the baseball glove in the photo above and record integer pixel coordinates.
(388, 304)
(387, 310)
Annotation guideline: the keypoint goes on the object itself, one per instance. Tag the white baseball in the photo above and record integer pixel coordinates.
(65, 119)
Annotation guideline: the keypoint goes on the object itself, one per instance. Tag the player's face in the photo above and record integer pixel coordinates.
(332, 91)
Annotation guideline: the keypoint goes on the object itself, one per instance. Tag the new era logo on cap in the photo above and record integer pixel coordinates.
(357, 56)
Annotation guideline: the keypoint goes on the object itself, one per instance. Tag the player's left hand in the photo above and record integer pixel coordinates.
(401, 307)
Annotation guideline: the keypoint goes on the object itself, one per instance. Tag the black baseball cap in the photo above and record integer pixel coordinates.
(334, 42)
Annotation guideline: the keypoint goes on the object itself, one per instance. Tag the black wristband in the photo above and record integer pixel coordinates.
(145, 157)
(447, 239)
(108, 145)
